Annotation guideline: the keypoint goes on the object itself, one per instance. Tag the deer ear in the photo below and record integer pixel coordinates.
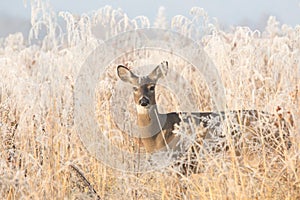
(159, 71)
(126, 75)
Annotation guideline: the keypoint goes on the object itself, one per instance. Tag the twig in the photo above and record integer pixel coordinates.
(91, 188)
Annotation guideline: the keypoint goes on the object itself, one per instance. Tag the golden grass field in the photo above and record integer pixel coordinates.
(40, 149)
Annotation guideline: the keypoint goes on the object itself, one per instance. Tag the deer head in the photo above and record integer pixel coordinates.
(144, 87)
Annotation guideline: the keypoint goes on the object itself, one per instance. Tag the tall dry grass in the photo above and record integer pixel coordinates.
(39, 144)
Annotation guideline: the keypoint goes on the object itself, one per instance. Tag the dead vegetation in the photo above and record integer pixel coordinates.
(39, 143)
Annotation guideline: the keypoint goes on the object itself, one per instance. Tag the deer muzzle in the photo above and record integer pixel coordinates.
(144, 101)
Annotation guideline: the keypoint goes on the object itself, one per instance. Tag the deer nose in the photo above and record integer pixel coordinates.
(144, 101)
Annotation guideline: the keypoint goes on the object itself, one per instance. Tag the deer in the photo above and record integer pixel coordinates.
(158, 128)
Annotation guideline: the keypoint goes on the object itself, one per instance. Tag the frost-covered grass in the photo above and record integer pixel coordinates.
(260, 70)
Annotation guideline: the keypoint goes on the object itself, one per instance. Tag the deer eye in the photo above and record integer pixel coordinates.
(135, 88)
(152, 87)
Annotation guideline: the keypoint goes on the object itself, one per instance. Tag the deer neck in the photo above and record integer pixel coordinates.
(149, 118)
(151, 126)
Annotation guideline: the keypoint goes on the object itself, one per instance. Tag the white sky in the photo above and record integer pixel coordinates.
(228, 12)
